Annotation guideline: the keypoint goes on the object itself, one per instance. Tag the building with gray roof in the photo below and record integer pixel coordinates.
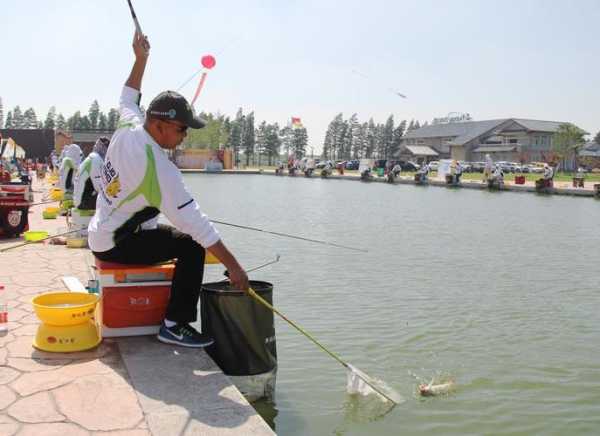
(506, 139)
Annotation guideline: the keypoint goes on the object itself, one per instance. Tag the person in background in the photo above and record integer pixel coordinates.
(488, 168)
(423, 172)
(548, 172)
(458, 171)
(87, 182)
(138, 183)
(71, 159)
(497, 176)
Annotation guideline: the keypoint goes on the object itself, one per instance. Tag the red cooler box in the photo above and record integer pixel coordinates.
(134, 306)
(133, 298)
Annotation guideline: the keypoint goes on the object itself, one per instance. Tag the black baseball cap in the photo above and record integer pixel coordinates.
(172, 106)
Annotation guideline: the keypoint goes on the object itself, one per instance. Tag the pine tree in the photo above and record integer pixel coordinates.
(354, 137)
(411, 126)
(334, 138)
(235, 135)
(417, 125)
(61, 124)
(272, 142)
(371, 145)
(85, 123)
(9, 121)
(286, 135)
(102, 122)
(74, 121)
(597, 138)
(18, 121)
(94, 114)
(261, 139)
(397, 139)
(1, 114)
(327, 142)
(113, 119)
(30, 119)
(50, 122)
(361, 142)
(248, 139)
(379, 141)
(387, 138)
(299, 142)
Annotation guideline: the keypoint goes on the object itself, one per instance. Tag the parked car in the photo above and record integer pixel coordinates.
(433, 165)
(352, 165)
(409, 166)
(478, 167)
(466, 166)
(517, 167)
(534, 168)
(505, 166)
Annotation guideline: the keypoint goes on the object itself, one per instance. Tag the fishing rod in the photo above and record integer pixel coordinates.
(138, 28)
(44, 202)
(3, 250)
(287, 235)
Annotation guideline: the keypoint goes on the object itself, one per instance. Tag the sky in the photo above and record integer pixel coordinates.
(536, 59)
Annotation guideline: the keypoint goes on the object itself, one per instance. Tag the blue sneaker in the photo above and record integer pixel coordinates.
(184, 335)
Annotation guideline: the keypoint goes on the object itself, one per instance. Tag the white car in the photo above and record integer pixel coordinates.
(433, 165)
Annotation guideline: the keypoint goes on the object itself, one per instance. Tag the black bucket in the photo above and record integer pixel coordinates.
(243, 329)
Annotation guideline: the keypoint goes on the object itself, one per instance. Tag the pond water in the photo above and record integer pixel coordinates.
(497, 291)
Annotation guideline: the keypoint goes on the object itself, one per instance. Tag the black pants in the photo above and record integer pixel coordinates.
(69, 181)
(165, 243)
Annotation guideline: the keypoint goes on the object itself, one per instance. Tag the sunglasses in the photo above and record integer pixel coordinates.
(180, 128)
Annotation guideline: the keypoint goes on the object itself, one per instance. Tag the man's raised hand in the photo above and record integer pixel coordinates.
(141, 46)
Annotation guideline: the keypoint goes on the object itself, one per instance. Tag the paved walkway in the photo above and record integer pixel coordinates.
(124, 387)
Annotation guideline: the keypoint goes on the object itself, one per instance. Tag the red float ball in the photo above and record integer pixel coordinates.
(208, 61)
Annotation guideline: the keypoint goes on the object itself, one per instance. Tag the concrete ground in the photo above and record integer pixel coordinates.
(124, 387)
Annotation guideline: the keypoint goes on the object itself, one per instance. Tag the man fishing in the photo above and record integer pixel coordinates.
(87, 183)
(139, 182)
(69, 163)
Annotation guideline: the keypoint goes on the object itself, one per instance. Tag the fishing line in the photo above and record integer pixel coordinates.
(287, 235)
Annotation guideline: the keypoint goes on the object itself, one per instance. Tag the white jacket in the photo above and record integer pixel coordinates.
(74, 152)
(139, 181)
(90, 169)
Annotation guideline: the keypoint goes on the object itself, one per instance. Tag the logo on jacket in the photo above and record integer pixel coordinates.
(114, 187)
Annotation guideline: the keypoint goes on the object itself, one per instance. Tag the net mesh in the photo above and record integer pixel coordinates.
(359, 383)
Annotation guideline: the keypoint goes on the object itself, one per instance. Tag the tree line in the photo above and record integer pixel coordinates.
(95, 118)
(344, 139)
(249, 142)
(351, 139)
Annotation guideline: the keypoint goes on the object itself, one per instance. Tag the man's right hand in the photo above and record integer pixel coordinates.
(238, 279)
(141, 46)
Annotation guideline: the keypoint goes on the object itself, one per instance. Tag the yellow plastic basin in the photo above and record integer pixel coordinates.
(64, 308)
(34, 236)
(49, 214)
(52, 209)
(67, 339)
(56, 194)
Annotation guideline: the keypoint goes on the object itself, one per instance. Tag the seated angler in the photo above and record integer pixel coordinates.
(138, 183)
(71, 158)
(87, 182)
